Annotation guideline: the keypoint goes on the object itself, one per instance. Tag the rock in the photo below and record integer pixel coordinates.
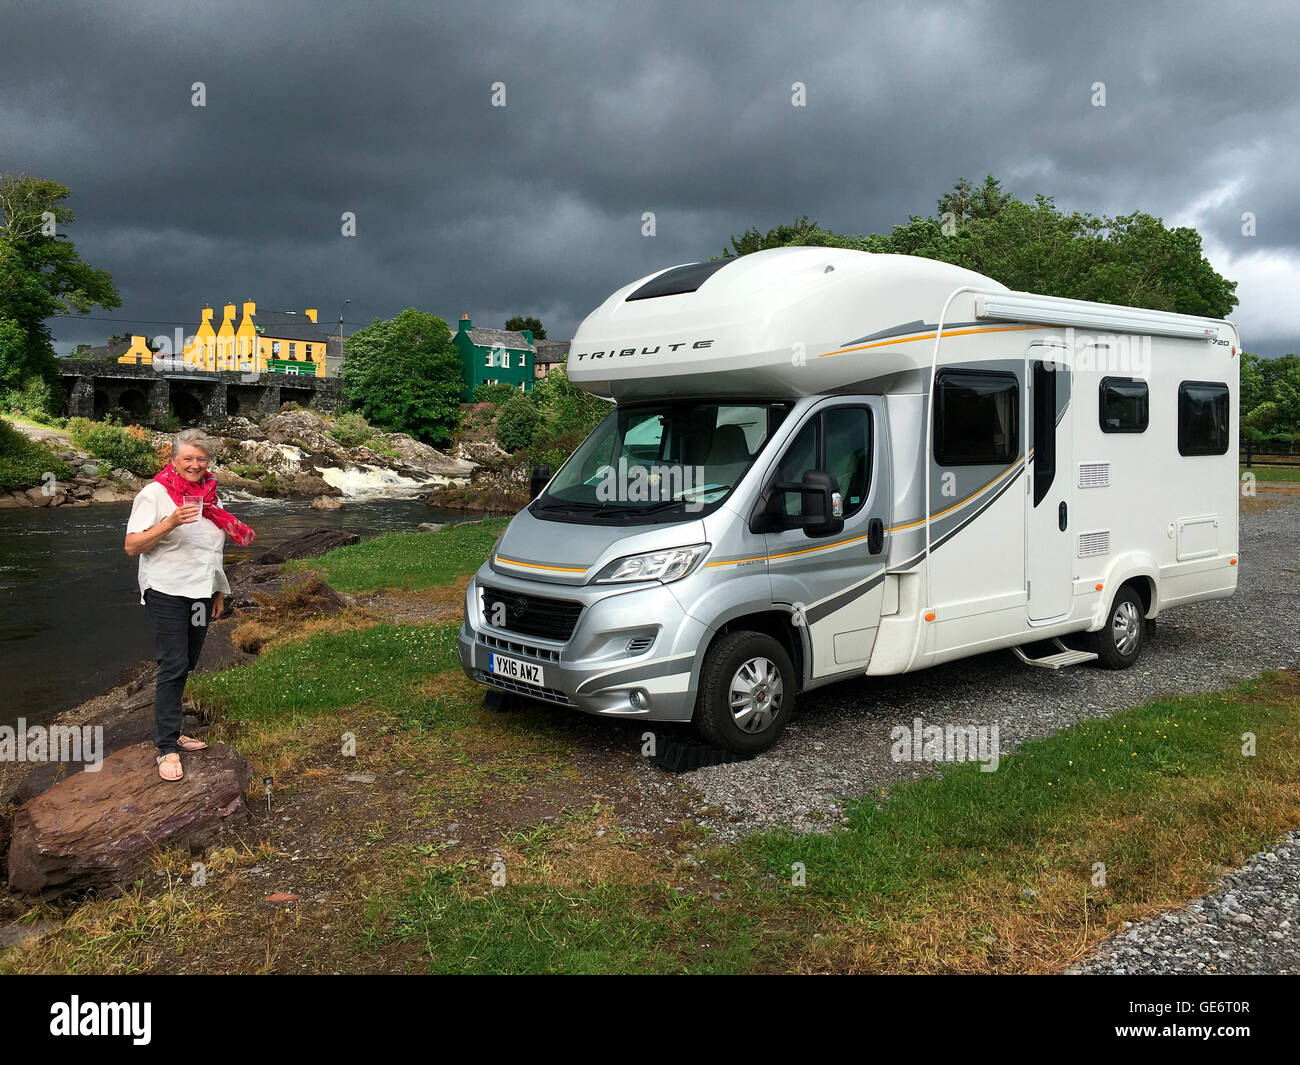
(101, 829)
(13, 935)
(429, 526)
(301, 428)
(38, 497)
(128, 480)
(428, 459)
(361, 778)
(305, 545)
(281, 896)
(239, 428)
(325, 503)
(110, 494)
(77, 503)
(10, 503)
(307, 484)
(227, 479)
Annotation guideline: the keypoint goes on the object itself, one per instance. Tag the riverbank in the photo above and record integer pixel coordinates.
(72, 624)
(458, 839)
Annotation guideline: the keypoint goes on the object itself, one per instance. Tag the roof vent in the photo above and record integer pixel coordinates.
(679, 280)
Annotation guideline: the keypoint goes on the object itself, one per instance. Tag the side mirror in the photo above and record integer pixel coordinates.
(821, 505)
(539, 480)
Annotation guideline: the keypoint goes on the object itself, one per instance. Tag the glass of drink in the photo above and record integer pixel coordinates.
(194, 501)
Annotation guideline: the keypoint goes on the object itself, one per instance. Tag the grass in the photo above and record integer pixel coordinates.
(1020, 870)
(1290, 474)
(381, 666)
(408, 560)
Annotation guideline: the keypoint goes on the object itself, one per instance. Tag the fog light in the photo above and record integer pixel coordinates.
(635, 699)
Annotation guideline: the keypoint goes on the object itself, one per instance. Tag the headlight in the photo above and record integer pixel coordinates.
(663, 566)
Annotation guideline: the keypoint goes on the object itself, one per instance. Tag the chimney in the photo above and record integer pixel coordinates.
(230, 312)
(250, 309)
(310, 312)
(207, 314)
(465, 323)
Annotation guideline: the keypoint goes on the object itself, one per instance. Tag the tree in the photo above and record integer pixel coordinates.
(41, 276)
(519, 324)
(1131, 260)
(405, 375)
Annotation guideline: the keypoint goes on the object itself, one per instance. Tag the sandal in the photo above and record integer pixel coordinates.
(169, 766)
(188, 744)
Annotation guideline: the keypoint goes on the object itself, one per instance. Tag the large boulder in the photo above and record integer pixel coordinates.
(426, 459)
(300, 428)
(96, 830)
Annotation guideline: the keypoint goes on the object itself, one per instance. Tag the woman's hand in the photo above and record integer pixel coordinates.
(183, 515)
(218, 605)
(142, 542)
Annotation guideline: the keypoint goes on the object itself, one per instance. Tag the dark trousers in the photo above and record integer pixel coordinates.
(180, 625)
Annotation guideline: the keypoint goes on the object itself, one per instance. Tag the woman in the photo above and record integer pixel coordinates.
(178, 531)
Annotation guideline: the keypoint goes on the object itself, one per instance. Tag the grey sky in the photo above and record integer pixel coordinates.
(613, 110)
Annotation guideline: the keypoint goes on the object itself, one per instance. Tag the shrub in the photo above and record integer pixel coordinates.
(352, 430)
(168, 424)
(498, 393)
(34, 400)
(517, 423)
(24, 463)
(120, 447)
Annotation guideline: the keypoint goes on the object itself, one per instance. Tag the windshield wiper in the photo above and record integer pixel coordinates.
(654, 508)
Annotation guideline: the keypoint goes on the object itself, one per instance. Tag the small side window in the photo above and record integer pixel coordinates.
(976, 418)
(1202, 418)
(1123, 405)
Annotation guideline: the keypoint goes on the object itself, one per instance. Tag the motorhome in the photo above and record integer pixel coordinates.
(822, 463)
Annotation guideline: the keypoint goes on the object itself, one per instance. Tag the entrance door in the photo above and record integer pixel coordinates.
(835, 583)
(1049, 549)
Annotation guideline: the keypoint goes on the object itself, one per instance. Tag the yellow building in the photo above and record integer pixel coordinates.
(275, 341)
(137, 353)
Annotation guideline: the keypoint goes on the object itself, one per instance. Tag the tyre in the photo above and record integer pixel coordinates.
(1119, 643)
(747, 689)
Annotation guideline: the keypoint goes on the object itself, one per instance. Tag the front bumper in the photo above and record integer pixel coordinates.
(626, 639)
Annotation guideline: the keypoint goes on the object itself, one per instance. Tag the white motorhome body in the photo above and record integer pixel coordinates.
(866, 463)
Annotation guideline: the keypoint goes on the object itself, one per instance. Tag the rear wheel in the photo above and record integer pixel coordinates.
(747, 691)
(1119, 643)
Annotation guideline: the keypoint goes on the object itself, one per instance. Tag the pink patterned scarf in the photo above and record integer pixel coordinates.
(178, 488)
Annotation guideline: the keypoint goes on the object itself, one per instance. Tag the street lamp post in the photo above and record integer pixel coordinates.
(345, 303)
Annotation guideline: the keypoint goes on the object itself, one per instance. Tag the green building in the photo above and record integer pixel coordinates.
(492, 356)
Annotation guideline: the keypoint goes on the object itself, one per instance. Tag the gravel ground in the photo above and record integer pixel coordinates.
(838, 745)
(1246, 925)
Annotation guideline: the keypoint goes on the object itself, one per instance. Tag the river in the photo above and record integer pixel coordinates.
(70, 615)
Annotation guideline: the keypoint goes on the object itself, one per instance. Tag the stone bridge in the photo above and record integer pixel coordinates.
(92, 389)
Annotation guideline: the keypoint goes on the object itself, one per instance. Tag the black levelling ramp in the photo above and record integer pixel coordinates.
(682, 754)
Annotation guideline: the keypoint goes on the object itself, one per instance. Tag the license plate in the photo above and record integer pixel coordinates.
(513, 668)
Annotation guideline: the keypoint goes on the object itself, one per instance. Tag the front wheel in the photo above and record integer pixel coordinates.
(746, 695)
(1119, 643)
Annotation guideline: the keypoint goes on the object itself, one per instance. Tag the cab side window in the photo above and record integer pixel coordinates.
(839, 442)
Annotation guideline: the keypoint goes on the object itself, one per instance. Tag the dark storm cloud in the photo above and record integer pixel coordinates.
(613, 110)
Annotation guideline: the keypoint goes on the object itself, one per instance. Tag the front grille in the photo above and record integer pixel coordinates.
(546, 695)
(531, 615)
(510, 647)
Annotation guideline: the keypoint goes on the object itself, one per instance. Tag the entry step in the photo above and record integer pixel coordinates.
(1064, 656)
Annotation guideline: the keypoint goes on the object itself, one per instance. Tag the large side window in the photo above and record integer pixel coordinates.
(1202, 418)
(976, 418)
(1123, 405)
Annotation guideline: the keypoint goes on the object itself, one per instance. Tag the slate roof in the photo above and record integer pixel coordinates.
(550, 351)
(284, 325)
(499, 338)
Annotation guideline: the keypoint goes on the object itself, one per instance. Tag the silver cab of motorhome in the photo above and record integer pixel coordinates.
(822, 463)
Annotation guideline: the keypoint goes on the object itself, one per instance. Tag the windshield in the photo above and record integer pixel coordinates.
(661, 461)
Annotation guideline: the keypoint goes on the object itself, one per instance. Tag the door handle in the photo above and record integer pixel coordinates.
(875, 536)
(1062, 516)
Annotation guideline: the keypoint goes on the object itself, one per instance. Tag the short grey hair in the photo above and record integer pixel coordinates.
(193, 437)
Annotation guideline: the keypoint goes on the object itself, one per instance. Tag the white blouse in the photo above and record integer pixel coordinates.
(187, 561)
